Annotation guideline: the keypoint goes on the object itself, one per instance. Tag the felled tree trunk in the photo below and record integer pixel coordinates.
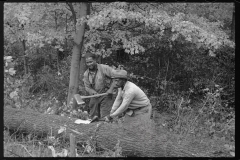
(133, 142)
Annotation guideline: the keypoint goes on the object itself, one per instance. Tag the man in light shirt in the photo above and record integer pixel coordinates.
(131, 100)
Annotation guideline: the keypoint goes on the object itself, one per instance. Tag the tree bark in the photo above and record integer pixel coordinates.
(66, 38)
(83, 68)
(106, 135)
(233, 26)
(58, 68)
(55, 18)
(73, 14)
(76, 56)
(57, 51)
(24, 57)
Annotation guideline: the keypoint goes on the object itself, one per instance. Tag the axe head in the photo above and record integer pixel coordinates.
(78, 99)
(95, 118)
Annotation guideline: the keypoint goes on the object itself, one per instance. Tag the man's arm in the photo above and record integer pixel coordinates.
(88, 88)
(117, 101)
(107, 70)
(127, 99)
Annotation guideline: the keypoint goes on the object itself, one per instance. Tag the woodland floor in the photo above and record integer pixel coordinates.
(203, 144)
(210, 146)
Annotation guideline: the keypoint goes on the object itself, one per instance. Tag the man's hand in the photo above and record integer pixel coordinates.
(108, 118)
(93, 93)
(114, 84)
(110, 91)
(112, 111)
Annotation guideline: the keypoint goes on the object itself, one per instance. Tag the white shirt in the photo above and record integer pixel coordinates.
(131, 97)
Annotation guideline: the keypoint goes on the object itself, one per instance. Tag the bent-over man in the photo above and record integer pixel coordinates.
(131, 101)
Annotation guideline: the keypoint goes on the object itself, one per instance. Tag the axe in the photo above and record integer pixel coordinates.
(79, 98)
(95, 118)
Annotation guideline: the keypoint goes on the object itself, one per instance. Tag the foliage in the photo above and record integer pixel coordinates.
(176, 51)
(178, 35)
(20, 145)
(10, 85)
(120, 25)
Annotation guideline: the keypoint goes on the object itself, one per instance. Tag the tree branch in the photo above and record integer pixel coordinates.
(10, 28)
(73, 14)
(91, 7)
(67, 7)
(153, 5)
(140, 7)
(136, 26)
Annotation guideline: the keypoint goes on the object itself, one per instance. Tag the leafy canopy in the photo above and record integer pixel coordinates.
(119, 24)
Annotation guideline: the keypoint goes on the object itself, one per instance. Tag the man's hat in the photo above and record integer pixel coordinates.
(120, 74)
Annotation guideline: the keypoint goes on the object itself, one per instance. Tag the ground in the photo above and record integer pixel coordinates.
(202, 144)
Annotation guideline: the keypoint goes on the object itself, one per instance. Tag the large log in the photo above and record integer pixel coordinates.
(133, 142)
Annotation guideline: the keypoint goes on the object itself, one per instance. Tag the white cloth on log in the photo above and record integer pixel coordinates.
(79, 121)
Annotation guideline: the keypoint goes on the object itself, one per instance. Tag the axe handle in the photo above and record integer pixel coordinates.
(96, 95)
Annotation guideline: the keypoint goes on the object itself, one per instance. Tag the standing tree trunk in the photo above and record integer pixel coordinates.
(50, 58)
(24, 57)
(55, 18)
(83, 67)
(57, 51)
(58, 68)
(66, 41)
(74, 15)
(233, 26)
(76, 55)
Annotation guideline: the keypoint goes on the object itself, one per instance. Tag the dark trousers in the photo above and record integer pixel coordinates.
(140, 120)
(101, 106)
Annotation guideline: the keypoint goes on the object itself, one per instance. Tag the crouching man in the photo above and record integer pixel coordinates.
(130, 101)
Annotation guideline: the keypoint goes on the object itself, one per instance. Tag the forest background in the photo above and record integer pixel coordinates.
(181, 54)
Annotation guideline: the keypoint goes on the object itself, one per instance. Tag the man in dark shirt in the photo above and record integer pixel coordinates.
(97, 79)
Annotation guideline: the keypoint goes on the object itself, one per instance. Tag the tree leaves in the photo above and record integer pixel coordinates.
(231, 149)
(30, 22)
(62, 129)
(13, 94)
(232, 154)
(211, 54)
(11, 71)
(193, 31)
(9, 68)
(108, 20)
(8, 58)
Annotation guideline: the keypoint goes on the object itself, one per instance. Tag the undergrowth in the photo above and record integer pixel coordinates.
(204, 120)
(20, 145)
(209, 118)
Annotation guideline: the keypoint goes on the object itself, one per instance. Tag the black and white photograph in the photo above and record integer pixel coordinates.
(119, 79)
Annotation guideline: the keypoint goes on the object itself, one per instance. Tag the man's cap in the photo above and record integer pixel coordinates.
(90, 55)
(120, 74)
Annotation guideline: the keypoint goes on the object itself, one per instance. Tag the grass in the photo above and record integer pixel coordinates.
(213, 145)
(196, 125)
(29, 146)
(200, 130)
